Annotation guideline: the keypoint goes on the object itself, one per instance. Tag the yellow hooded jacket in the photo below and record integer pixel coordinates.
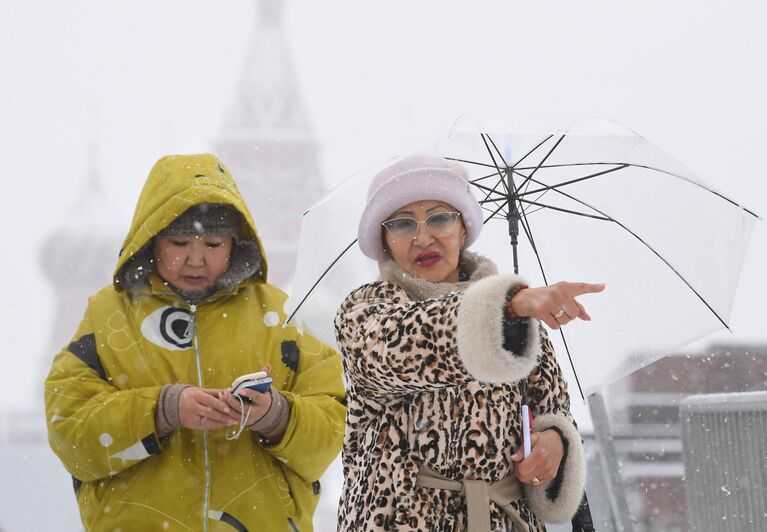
(102, 390)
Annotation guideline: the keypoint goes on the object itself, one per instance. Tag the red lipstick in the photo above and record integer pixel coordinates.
(427, 259)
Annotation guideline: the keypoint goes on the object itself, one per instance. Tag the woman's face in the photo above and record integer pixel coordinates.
(425, 253)
(192, 263)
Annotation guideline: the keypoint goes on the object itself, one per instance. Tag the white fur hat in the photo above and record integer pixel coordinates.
(415, 178)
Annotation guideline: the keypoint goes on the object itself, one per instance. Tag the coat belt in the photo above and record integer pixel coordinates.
(478, 494)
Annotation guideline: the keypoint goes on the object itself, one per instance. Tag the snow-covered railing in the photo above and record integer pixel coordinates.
(725, 455)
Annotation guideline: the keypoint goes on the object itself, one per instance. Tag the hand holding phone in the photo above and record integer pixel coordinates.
(259, 382)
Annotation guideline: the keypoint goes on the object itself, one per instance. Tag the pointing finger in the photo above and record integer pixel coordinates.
(578, 289)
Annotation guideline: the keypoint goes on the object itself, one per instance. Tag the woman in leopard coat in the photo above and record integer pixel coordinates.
(439, 355)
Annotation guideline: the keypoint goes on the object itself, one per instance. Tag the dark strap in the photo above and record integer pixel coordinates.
(582, 521)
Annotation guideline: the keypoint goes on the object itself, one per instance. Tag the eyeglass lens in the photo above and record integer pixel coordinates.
(439, 225)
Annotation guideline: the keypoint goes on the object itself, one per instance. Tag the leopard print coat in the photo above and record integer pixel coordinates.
(413, 352)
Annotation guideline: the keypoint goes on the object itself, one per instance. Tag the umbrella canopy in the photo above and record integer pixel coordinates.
(590, 202)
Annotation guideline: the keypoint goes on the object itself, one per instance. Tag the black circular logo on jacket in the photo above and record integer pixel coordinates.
(176, 327)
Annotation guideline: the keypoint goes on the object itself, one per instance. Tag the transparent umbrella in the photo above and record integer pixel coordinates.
(592, 202)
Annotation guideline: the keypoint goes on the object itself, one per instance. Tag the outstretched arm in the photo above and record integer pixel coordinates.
(394, 345)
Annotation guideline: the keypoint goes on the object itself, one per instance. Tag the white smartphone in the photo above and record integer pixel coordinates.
(526, 430)
(258, 382)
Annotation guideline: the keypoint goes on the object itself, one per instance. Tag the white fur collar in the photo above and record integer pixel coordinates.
(475, 266)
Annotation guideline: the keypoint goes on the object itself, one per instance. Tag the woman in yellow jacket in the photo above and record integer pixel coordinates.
(137, 404)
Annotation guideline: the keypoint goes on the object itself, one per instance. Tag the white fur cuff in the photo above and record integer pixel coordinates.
(558, 500)
(480, 333)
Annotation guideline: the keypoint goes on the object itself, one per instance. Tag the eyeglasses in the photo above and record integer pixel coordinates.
(439, 225)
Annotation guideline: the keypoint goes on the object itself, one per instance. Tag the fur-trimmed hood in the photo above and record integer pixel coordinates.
(176, 183)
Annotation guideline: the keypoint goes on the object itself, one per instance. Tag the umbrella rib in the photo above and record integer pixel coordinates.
(526, 182)
(540, 164)
(490, 153)
(496, 211)
(529, 234)
(648, 246)
(526, 186)
(646, 167)
(525, 156)
(490, 201)
(477, 163)
(577, 213)
(495, 189)
(567, 350)
(567, 165)
(485, 177)
(547, 188)
(530, 210)
(320, 278)
(489, 190)
(505, 164)
(485, 187)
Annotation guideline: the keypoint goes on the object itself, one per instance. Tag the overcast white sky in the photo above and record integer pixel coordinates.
(158, 76)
